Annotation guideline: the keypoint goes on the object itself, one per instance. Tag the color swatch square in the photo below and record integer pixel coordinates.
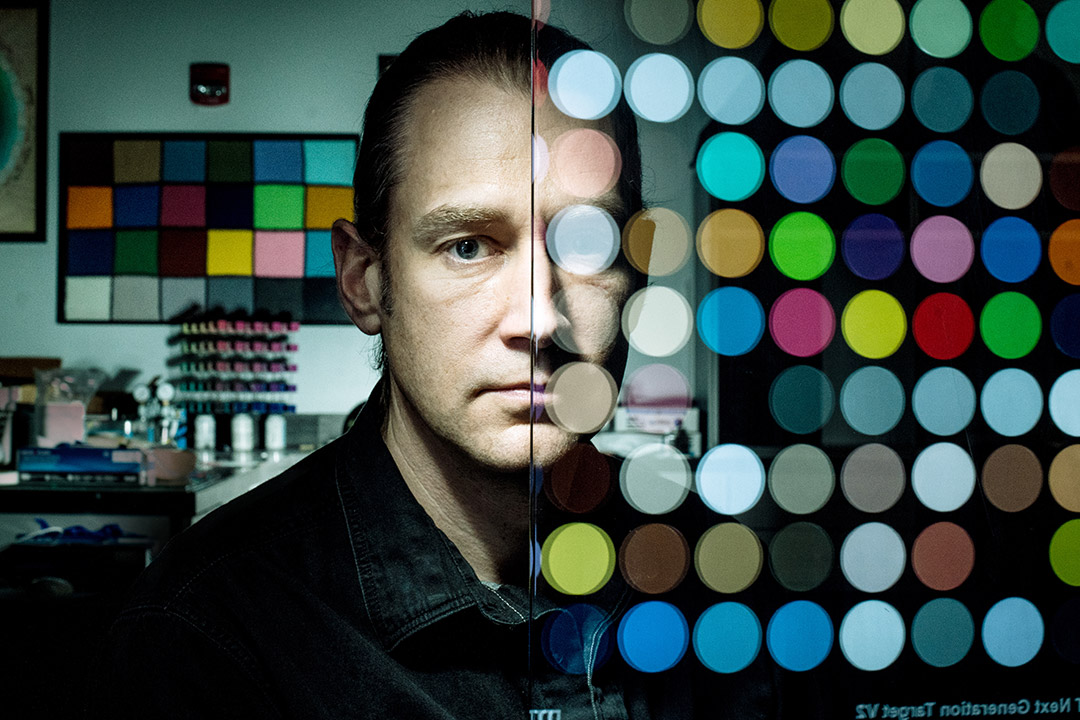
(182, 253)
(318, 255)
(329, 162)
(327, 204)
(88, 161)
(279, 207)
(321, 304)
(279, 296)
(89, 207)
(278, 161)
(135, 299)
(178, 295)
(228, 252)
(183, 206)
(231, 294)
(90, 252)
(136, 205)
(229, 206)
(228, 161)
(87, 298)
(279, 254)
(136, 252)
(137, 161)
(184, 161)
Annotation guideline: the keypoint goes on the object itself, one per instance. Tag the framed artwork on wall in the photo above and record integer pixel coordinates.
(24, 33)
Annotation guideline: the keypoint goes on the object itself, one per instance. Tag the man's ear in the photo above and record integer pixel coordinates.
(359, 276)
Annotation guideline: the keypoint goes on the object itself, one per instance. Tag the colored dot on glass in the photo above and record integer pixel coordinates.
(727, 637)
(659, 22)
(942, 173)
(801, 399)
(801, 93)
(1009, 29)
(802, 322)
(873, 171)
(799, 635)
(943, 326)
(1011, 402)
(1065, 553)
(1010, 325)
(659, 87)
(872, 96)
(942, 99)
(1013, 632)
(802, 246)
(802, 169)
(872, 635)
(653, 636)
(731, 90)
(801, 24)
(1010, 249)
(873, 246)
(730, 479)
(731, 24)
(584, 84)
(656, 241)
(1065, 177)
(1010, 102)
(943, 401)
(942, 249)
(1064, 403)
(731, 321)
(874, 27)
(1064, 251)
(1011, 176)
(941, 28)
(657, 321)
(730, 166)
(873, 324)
(1061, 30)
(578, 559)
(1065, 326)
(730, 243)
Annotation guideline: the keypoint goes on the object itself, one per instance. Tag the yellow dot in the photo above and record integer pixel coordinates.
(577, 559)
(874, 27)
(730, 243)
(801, 24)
(874, 324)
(731, 24)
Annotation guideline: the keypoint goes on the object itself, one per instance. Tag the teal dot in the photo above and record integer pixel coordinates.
(730, 166)
(1063, 30)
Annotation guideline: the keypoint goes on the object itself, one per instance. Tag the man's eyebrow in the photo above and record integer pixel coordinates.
(447, 219)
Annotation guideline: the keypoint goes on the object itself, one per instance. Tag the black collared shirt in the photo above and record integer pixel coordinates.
(329, 593)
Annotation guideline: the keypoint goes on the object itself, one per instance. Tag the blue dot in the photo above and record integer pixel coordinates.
(943, 401)
(731, 321)
(653, 636)
(800, 636)
(1010, 249)
(727, 637)
(873, 246)
(803, 169)
(1065, 326)
(1011, 402)
(942, 173)
(577, 639)
(1012, 632)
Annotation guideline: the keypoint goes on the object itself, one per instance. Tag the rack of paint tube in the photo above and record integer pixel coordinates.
(233, 377)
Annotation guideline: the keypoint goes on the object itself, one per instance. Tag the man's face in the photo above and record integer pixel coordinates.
(465, 250)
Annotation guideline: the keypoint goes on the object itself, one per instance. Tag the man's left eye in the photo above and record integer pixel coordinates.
(467, 249)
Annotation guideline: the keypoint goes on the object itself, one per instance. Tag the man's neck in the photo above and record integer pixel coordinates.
(484, 512)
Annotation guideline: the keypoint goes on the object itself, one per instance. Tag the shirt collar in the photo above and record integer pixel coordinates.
(410, 574)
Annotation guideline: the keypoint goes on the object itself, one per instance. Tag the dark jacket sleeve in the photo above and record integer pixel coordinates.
(157, 664)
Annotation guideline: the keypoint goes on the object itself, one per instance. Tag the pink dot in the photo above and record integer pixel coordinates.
(942, 249)
(657, 397)
(802, 322)
(585, 162)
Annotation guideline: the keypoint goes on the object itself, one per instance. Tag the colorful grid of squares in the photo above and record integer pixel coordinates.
(152, 225)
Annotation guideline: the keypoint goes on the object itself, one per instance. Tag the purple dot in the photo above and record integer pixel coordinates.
(873, 246)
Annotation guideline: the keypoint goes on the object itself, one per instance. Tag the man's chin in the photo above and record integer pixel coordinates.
(549, 444)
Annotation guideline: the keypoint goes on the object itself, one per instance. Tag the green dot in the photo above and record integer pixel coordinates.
(1009, 29)
(1010, 325)
(873, 171)
(730, 166)
(1065, 553)
(802, 246)
(941, 28)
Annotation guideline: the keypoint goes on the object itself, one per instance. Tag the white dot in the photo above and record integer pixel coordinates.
(583, 239)
(584, 84)
(659, 87)
(657, 321)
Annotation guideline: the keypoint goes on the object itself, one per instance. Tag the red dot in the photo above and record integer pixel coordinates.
(943, 326)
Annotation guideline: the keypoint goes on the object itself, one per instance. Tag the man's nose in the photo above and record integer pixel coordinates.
(530, 313)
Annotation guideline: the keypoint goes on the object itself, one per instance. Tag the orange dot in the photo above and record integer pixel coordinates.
(1064, 252)
(730, 243)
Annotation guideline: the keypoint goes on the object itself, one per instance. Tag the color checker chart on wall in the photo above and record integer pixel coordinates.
(153, 226)
(887, 520)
